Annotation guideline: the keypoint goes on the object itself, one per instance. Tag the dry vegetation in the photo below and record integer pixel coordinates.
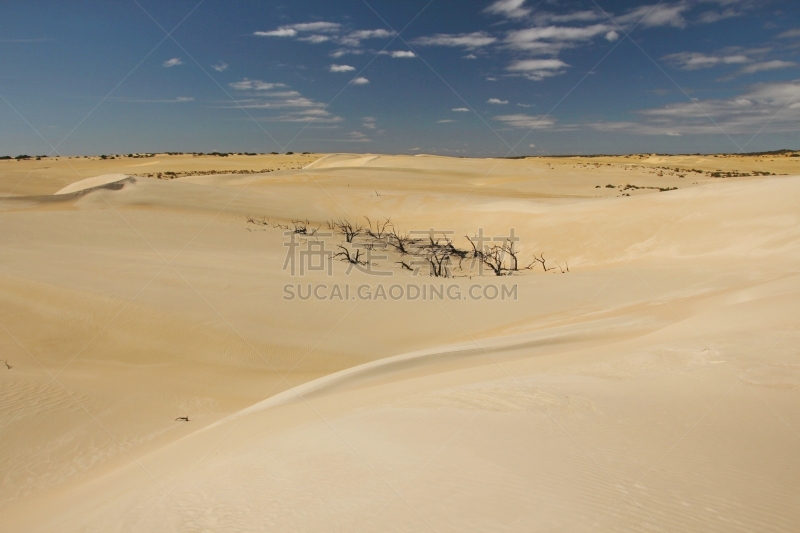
(436, 253)
(27, 175)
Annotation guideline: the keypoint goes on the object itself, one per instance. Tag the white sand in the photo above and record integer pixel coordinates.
(652, 388)
(90, 183)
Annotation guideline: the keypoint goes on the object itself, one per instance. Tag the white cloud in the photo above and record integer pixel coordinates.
(496, 101)
(715, 16)
(174, 62)
(575, 16)
(558, 33)
(278, 103)
(766, 65)
(733, 8)
(281, 32)
(291, 110)
(254, 85)
(550, 40)
(537, 64)
(341, 68)
(526, 121)
(657, 15)
(281, 94)
(290, 105)
(321, 32)
(178, 100)
(538, 69)
(293, 29)
(774, 105)
(696, 60)
(461, 110)
(467, 40)
(360, 81)
(532, 145)
(369, 122)
(321, 117)
(346, 51)
(371, 34)
(220, 67)
(403, 54)
(508, 8)
(355, 38)
(791, 34)
(357, 136)
(470, 56)
(445, 121)
(317, 26)
(524, 105)
(315, 39)
(553, 33)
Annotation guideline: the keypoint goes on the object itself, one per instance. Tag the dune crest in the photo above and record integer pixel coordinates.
(90, 183)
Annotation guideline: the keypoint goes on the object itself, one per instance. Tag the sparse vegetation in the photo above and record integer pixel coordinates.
(435, 252)
(350, 231)
(169, 175)
(263, 221)
(380, 231)
(347, 256)
(662, 189)
(737, 174)
(303, 227)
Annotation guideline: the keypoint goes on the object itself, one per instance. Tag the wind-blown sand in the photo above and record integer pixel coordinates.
(653, 387)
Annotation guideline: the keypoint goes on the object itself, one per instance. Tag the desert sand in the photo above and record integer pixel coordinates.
(652, 386)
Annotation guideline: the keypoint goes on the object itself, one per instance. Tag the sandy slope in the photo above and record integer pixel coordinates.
(48, 175)
(653, 387)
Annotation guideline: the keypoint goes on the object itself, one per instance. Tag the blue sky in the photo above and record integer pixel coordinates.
(476, 78)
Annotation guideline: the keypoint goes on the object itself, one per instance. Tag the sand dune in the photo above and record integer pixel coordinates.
(652, 387)
(90, 183)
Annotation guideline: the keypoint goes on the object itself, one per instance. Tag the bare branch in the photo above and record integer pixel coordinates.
(542, 260)
(380, 228)
(350, 231)
(491, 257)
(402, 243)
(263, 221)
(303, 227)
(348, 257)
